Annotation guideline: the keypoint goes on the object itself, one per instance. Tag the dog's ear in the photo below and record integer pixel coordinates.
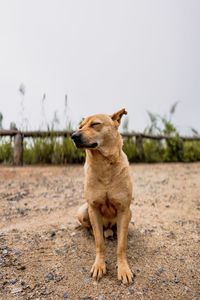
(116, 117)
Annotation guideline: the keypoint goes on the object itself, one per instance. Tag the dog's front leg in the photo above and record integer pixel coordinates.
(124, 272)
(99, 266)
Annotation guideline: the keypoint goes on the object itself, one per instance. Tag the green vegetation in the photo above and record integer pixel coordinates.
(159, 151)
(5, 150)
(172, 150)
(54, 150)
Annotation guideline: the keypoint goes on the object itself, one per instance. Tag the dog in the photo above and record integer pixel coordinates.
(107, 187)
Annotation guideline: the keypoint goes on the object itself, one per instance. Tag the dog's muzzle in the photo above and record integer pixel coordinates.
(76, 137)
(79, 141)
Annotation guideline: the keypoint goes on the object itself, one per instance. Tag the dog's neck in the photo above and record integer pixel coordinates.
(111, 153)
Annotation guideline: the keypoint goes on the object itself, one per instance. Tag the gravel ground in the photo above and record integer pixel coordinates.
(44, 254)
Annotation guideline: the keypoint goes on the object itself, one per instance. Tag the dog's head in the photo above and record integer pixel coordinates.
(97, 131)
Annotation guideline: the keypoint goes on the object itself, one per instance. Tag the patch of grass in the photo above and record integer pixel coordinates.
(153, 151)
(174, 150)
(52, 151)
(191, 151)
(129, 148)
(5, 150)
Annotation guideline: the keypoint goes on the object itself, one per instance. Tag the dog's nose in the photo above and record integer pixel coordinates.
(76, 136)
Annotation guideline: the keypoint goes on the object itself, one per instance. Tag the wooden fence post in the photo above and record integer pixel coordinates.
(18, 150)
(139, 147)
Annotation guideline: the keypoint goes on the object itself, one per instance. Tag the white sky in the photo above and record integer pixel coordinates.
(105, 55)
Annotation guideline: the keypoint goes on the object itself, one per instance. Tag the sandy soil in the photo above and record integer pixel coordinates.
(45, 255)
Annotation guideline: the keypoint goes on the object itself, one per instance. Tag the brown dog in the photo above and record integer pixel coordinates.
(107, 189)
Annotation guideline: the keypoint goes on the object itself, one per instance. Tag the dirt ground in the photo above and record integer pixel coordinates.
(45, 255)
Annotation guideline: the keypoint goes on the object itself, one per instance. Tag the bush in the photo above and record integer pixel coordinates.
(5, 151)
(129, 148)
(153, 151)
(52, 151)
(191, 151)
(174, 149)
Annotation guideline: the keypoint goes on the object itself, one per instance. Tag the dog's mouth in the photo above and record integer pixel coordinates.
(86, 146)
(80, 142)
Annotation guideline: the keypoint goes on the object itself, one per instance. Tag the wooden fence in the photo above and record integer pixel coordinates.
(20, 135)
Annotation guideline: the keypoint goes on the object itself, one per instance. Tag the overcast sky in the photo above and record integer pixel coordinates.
(105, 55)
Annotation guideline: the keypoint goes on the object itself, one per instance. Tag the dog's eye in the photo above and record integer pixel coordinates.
(95, 124)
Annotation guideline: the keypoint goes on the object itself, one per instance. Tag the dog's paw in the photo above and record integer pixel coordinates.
(98, 269)
(124, 273)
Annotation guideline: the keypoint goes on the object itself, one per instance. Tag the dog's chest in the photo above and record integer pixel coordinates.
(108, 203)
(107, 209)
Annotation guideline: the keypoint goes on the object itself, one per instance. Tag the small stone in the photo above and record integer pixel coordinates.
(58, 251)
(44, 291)
(73, 234)
(53, 234)
(160, 271)
(13, 281)
(152, 279)
(5, 252)
(50, 276)
(108, 261)
(21, 267)
(138, 270)
(131, 290)
(171, 234)
(88, 279)
(63, 227)
(2, 247)
(176, 279)
(58, 278)
(66, 295)
(16, 290)
(16, 252)
(83, 270)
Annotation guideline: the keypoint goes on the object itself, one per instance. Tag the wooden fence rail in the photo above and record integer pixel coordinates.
(20, 135)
